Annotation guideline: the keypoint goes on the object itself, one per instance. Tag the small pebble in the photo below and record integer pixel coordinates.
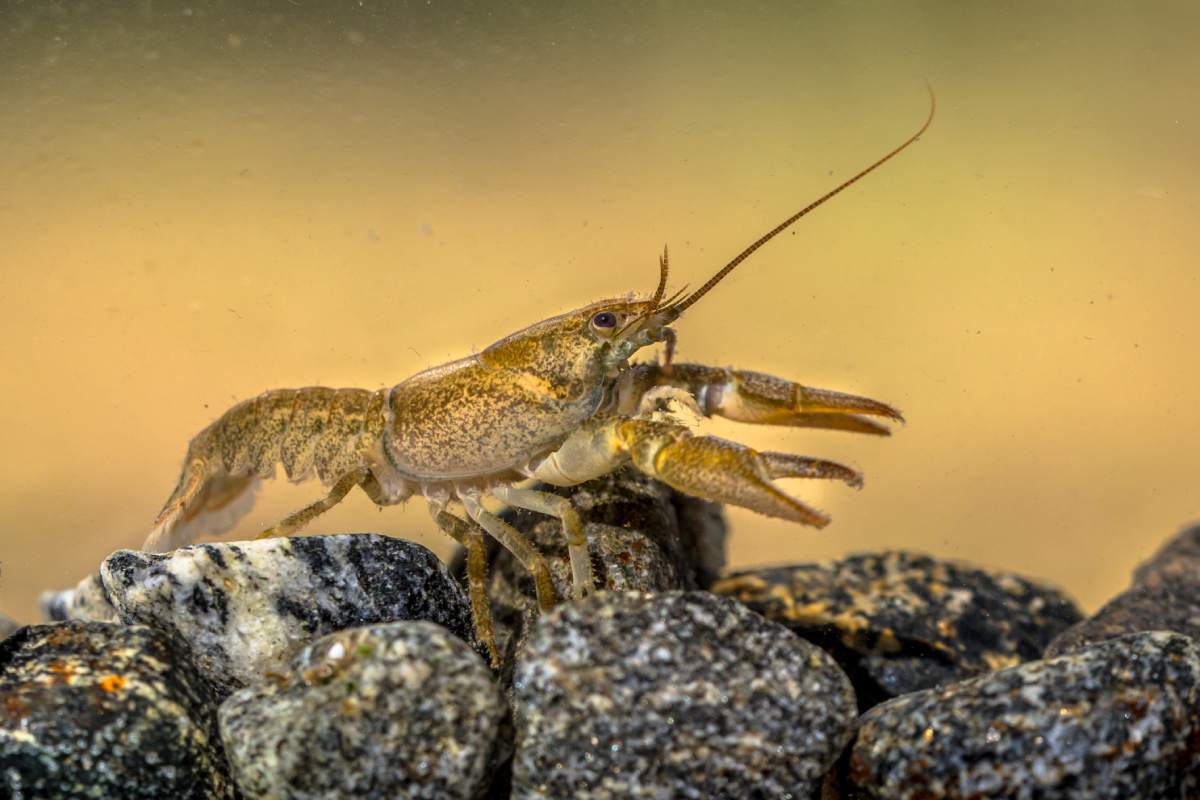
(898, 622)
(1172, 603)
(87, 601)
(96, 709)
(680, 695)
(642, 535)
(245, 607)
(703, 531)
(404, 709)
(1165, 596)
(1113, 721)
(1179, 557)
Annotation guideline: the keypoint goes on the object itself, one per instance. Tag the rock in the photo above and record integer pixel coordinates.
(898, 622)
(1113, 721)
(1165, 596)
(245, 607)
(7, 627)
(95, 709)
(1179, 557)
(88, 601)
(395, 710)
(642, 536)
(1171, 604)
(634, 534)
(702, 531)
(680, 694)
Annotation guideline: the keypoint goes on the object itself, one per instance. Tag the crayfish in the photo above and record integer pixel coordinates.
(558, 402)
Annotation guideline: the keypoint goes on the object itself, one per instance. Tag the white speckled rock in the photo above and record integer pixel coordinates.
(88, 601)
(398, 710)
(674, 695)
(245, 607)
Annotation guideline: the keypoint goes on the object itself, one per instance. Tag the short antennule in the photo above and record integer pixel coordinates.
(662, 279)
(678, 308)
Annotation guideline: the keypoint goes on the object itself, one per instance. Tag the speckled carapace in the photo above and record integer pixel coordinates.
(558, 402)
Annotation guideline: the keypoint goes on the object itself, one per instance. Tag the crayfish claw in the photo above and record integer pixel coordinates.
(758, 398)
(724, 471)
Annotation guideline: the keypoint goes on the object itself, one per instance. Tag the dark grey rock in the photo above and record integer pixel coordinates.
(397, 710)
(245, 607)
(642, 535)
(898, 622)
(1114, 721)
(7, 627)
(1178, 558)
(1165, 596)
(86, 601)
(680, 695)
(95, 709)
(1172, 603)
(702, 532)
(634, 534)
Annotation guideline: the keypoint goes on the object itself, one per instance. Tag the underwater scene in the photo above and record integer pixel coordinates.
(202, 201)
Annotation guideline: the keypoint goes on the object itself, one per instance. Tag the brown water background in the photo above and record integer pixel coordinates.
(199, 201)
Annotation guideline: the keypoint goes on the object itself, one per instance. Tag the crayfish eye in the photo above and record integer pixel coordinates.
(605, 320)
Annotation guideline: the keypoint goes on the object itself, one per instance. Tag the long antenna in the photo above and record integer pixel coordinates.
(679, 307)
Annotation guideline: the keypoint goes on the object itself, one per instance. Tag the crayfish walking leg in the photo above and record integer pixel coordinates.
(471, 538)
(519, 545)
(582, 582)
(294, 522)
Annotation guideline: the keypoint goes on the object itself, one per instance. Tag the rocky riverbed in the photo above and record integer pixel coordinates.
(346, 666)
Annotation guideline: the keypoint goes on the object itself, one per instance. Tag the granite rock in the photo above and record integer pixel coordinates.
(898, 622)
(1113, 721)
(96, 709)
(245, 607)
(679, 694)
(87, 601)
(404, 709)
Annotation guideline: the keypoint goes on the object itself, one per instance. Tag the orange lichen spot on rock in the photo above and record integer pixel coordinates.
(113, 683)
